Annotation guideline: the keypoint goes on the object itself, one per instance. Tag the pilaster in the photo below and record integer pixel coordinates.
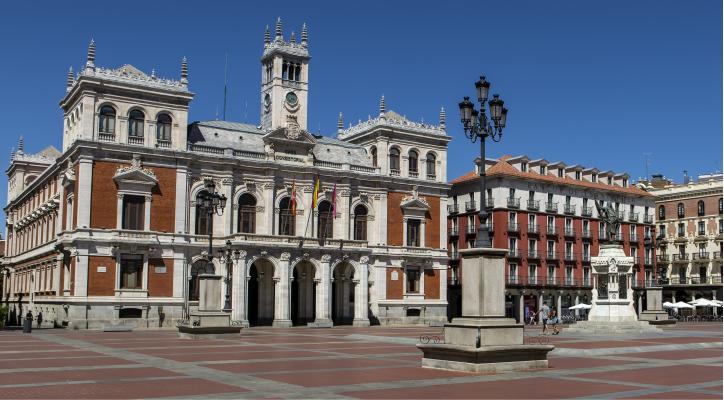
(85, 186)
(282, 298)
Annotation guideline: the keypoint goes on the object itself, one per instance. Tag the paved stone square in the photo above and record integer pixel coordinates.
(345, 362)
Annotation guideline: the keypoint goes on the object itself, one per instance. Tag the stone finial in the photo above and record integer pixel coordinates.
(382, 105)
(12, 154)
(267, 35)
(442, 117)
(21, 145)
(340, 123)
(91, 59)
(279, 36)
(184, 71)
(153, 72)
(293, 38)
(305, 34)
(69, 80)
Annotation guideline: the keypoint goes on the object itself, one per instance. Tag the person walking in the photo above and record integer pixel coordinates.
(553, 320)
(543, 313)
(40, 318)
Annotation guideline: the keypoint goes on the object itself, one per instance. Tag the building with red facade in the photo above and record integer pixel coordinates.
(544, 213)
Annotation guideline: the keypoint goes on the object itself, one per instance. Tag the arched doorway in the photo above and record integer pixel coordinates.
(343, 294)
(260, 309)
(303, 293)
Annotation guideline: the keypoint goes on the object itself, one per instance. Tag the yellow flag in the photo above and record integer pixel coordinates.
(315, 195)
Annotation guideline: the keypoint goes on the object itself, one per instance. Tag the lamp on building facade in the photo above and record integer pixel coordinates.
(212, 203)
(477, 126)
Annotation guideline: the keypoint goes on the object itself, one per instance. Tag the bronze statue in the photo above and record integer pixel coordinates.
(610, 217)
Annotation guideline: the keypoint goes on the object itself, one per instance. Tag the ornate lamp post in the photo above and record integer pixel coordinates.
(226, 254)
(211, 203)
(477, 126)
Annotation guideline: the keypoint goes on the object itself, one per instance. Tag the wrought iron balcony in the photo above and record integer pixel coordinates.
(551, 230)
(551, 281)
(533, 229)
(570, 257)
(569, 209)
(514, 253)
(551, 256)
(648, 219)
(622, 215)
(633, 217)
(679, 258)
(586, 234)
(716, 255)
(701, 256)
(471, 230)
(513, 227)
(648, 261)
(452, 209)
(587, 211)
(552, 207)
(662, 258)
(470, 206)
(454, 231)
(533, 205)
(533, 254)
(569, 281)
(569, 232)
(586, 258)
(634, 238)
(534, 280)
(513, 202)
(488, 202)
(513, 280)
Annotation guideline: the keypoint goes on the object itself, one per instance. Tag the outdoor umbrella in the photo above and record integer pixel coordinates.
(668, 304)
(681, 304)
(580, 306)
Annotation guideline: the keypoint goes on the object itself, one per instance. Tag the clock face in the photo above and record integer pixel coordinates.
(267, 103)
(292, 99)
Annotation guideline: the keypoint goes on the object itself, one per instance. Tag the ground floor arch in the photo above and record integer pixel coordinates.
(343, 294)
(303, 290)
(261, 288)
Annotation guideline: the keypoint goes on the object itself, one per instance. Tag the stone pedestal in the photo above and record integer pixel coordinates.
(612, 308)
(209, 321)
(483, 339)
(655, 314)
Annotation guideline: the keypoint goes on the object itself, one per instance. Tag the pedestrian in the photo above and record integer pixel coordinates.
(544, 311)
(553, 320)
(40, 318)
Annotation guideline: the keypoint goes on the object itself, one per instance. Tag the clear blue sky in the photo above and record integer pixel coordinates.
(595, 83)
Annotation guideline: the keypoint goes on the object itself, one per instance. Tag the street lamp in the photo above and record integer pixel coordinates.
(477, 126)
(226, 254)
(212, 203)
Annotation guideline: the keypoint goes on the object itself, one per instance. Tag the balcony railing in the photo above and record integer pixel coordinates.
(586, 234)
(587, 281)
(514, 253)
(513, 280)
(633, 217)
(135, 140)
(513, 202)
(471, 230)
(701, 256)
(569, 209)
(648, 219)
(716, 255)
(677, 258)
(431, 177)
(513, 227)
(551, 280)
(454, 254)
(533, 205)
(552, 207)
(586, 258)
(452, 209)
(394, 172)
(454, 231)
(488, 202)
(551, 230)
(413, 174)
(551, 256)
(570, 257)
(470, 206)
(166, 144)
(587, 211)
(107, 137)
(533, 254)
(533, 280)
(648, 261)
(569, 232)
(634, 238)
(662, 258)
(622, 215)
(533, 229)
(695, 280)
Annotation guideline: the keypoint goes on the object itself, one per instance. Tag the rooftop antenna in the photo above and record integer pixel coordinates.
(226, 64)
(647, 163)
(246, 106)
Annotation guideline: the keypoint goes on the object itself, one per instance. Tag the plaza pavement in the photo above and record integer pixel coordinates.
(345, 362)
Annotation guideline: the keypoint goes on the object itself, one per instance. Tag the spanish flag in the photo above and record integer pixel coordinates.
(315, 194)
(294, 198)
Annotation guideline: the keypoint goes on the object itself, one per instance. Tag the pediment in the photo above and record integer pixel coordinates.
(135, 174)
(414, 203)
(290, 136)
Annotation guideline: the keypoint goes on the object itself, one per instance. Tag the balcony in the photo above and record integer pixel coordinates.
(533, 254)
(569, 281)
(587, 281)
(394, 172)
(470, 206)
(552, 281)
(634, 238)
(701, 256)
(513, 280)
(587, 211)
(452, 209)
(570, 257)
(662, 258)
(454, 254)
(514, 253)
(513, 227)
(551, 230)
(586, 258)
(533, 205)
(602, 236)
(413, 174)
(551, 207)
(648, 219)
(680, 258)
(431, 177)
(551, 256)
(533, 280)
(166, 144)
(471, 230)
(135, 140)
(622, 215)
(513, 202)
(533, 229)
(107, 137)
(586, 234)
(648, 261)
(488, 202)
(569, 232)
(454, 231)
(636, 261)
(716, 255)
(633, 217)
(569, 209)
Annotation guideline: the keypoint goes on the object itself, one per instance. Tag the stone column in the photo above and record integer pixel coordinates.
(182, 202)
(282, 300)
(639, 305)
(85, 186)
(361, 315)
(558, 304)
(324, 293)
(577, 301)
(238, 290)
(540, 305)
(521, 308)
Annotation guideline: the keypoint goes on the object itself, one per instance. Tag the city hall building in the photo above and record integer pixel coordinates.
(112, 229)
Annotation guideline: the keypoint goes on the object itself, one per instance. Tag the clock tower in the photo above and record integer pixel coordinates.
(284, 79)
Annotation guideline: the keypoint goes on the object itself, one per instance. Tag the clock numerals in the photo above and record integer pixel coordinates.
(292, 99)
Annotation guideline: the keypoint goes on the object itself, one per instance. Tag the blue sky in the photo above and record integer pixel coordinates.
(595, 83)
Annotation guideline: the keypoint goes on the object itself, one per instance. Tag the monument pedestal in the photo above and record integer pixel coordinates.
(655, 314)
(209, 322)
(484, 340)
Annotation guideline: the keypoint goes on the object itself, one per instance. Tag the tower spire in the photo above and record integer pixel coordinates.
(21, 145)
(184, 71)
(305, 35)
(267, 35)
(382, 105)
(69, 80)
(442, 118)
(279, 36)
(90, 60)
(292, 38)
(340, 124)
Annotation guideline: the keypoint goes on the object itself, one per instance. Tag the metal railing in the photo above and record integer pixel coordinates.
(634, 238)
(471, 230)
(551, 207)
(551, 230)
(587, 211)
(716, 255)
(514, 253)
(533, 229)
(488, 202)
(533, 280)
(513, 280)
(662, 258)
(534, 254)
(513, 227)
(570, 232)
(648, 219)
(586, 258)
(454, 231)
(633, 217)
(570, 257)
(533, 205)
(551, 255)
(513, 202)
(470, 206)
(700, 256)
(452, 208)
(648, 261)
(586, 233)
(569, 209)
(680, 258)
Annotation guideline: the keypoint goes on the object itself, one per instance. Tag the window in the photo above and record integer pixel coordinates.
(513, 246)
(373, 152)
(394, 159)
(511, 193)
(360, 222)
(586, 276)
(513, 273)
(204, 221)
(551, 224)
(133, 212)
(585, 203)
(586, 225)
(524, 167)
(568, 200)
(721, 206)
(512, 218)
(247, 214)
(550, 198)
(560, 172)
(413, 280)
(700, 208)
(531, 195)
(413, 232)
(551, 274)
(594, 178)
(412, 161)
(721, 227)
(324, 220)
(532, 274)
(625, 183)
(578, 175)
(532, 246)
(662, 213)
(586, 251)
(531, 220)
(551, 249)
(680, 229)
(633, 254)
(286, 217)
(163, 128)
(662, 230)
(702, 229)
(430, 165)
(107, 120)
(680, 210)
(542, 169)
(136, 119)
(131, 271)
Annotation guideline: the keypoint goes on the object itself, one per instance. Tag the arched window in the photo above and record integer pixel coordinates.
(373, 152)
(163, 128)
(107, 120)
(324, 220)
(680, 210)
(286, 217)
(395, 159)
(204, 221)
(135, 123)
(360, 222)
(247, 213)
(700, 208)
(412, 161)
(662, 213)
(430, 165)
